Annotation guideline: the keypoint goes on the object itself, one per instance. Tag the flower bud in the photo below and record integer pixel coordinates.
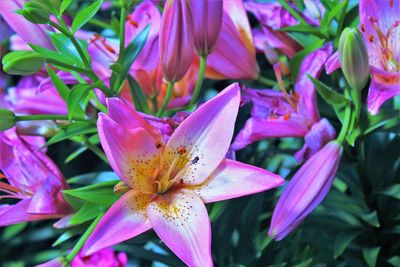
(22, 62)
(176, 40)
(35, 12)
(7, 119)
(207, 22)
(354, 58)
(306, 190)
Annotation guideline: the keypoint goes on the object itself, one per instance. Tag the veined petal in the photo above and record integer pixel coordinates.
(133, 153)
(181, 221)
(204, 135)
(234, 179)
(332, 63)
(379, 93)
(124, 220)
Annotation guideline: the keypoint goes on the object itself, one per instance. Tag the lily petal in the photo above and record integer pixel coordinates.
(379, 93)
(132, 153)
(124, 220)
(205, 134)
(182, 222)
(234, 179)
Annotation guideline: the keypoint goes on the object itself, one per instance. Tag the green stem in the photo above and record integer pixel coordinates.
(99, 23)
(78, 246)
(122, 34)
(346, 120)
(166, 98)
(70, 67)
(356, 99)
(81, 53)
(99, 105)
(47, 117)
(266, 81)
(200, 79)
(154, 102)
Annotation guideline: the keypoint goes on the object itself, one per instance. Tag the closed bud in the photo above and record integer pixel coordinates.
(35, 12)
(354, 58)
(207, 23)
(22, 62)
(176, 40)
(7, 119)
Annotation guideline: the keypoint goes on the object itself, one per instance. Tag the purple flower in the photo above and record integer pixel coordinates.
(170, 181)
(279, 114)
(306, 190)
(105, 258)
(32, 177)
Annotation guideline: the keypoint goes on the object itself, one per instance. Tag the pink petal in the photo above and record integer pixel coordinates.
(332, 63)
(124, 220)
(379, 93)
(205, 134)
(182, 222)
(133, 153)
(234, 179)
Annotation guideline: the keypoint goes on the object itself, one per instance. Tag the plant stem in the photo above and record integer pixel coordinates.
(168, 95)
(200, 79)
(346, 121)
(70, 67)
(266, 81)
(78, 246)
(47, 117)
(122, 34)
(99, 23)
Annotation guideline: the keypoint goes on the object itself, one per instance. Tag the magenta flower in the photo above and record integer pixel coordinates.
(31, 33)
(170, 181)
(176, 39)
(279, 114)
(104, 258)
(207, 22)
(234, 42)
(32, 177)
(380, 26)
(306, 190)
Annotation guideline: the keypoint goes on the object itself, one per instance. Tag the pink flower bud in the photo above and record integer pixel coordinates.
(306, 190)
(176, 39)
(207, 22)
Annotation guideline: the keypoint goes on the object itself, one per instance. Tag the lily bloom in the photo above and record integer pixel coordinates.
(280, 114)
(106, 258)
(306, 190)
(32, 177)
(169, 182)
(380, 26)
(30, 32)
(234, 42)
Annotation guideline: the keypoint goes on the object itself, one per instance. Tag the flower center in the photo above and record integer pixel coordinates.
(12, 191)
(288, 97)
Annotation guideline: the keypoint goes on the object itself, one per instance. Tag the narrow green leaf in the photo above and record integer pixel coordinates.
(86, 213)
(75, 154)
(50, 54)
(71, 130)
(69, 234)
(101, 194)
(371, 218)
(65, 47)
(138, 96)
(342, 241)
(62, 89)
(371, 255)
(64, 6)
(392, 191)
(304, 29)
(75, 96)
(13, 230)
(85, 15)
(93, 178)
(394, 261)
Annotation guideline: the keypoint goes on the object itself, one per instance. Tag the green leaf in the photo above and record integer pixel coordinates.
(371, 255)
(392, 191)
(69, 234)
(50, 54)
(85, 15)
(131, 53)
(93, 178)
(329, 16)
(371, 218)
(395, 261)
(64, 6)
(71, 130)
(75, 154)
(65, 47)
(138, 96)
(86, 213)
(304, 29)
(342, 241)
(75, 96)
(101, 194)
(13, 230)
(62, 89)
(338, 101)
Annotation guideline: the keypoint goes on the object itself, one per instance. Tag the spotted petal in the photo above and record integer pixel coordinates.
(182, 222)
(204, 135)
(234, 179)
(124, 220)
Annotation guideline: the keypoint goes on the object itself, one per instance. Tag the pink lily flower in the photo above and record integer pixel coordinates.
(380, 26)
(32, 177)
(279, 114)
(234, 41)
(106, 258)
(169, 182)
(306, 190)
(31, 33)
